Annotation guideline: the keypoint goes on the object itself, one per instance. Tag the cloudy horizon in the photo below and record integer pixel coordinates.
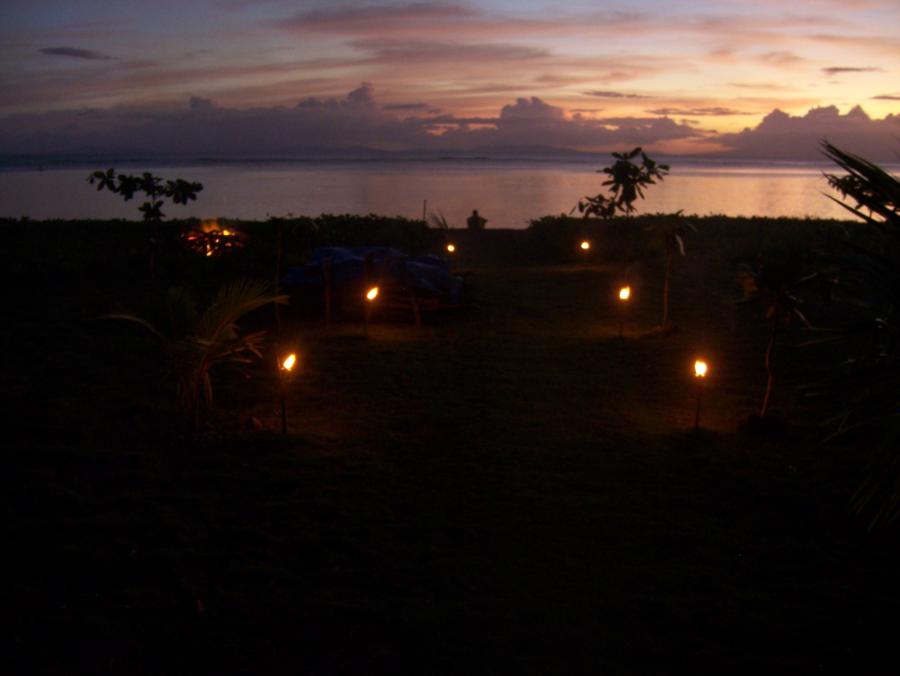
(228, 77)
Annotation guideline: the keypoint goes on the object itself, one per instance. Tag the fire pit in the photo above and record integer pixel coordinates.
(211, 239)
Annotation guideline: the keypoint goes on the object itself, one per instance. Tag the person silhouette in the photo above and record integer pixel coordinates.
(475, 221)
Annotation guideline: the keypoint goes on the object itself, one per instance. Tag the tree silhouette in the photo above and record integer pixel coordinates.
(627, 180)
(157, 191)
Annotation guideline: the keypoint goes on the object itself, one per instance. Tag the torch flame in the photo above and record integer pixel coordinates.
(451, 248)
(585, 245)
(289, 362)
(625, 293)
(372, 293)
(700, 368)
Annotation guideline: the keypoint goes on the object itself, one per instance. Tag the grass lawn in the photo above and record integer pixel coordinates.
(513, 489)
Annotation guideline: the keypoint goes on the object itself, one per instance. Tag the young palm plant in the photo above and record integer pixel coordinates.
(197, 342)
(670, 232)
(771, 288)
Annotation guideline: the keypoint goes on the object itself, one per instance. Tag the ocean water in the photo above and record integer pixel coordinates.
(508, 193)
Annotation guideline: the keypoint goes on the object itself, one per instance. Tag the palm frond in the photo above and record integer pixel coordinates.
(231, 303)
(438, 220)
(140, 321)
(870, 186)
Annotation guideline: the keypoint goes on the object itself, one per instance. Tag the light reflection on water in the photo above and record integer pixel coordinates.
(507, 194)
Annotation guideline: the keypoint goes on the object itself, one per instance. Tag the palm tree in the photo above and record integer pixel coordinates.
(869, 282)
(771, 288)
(197, 342)
(670, 232)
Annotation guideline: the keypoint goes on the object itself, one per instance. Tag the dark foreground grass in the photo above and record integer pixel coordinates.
(511, 489)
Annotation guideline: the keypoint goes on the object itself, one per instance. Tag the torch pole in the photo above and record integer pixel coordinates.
(284, 424)
(699, 397)
(367, 277)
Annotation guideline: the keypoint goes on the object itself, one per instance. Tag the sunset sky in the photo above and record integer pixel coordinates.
(675, 76)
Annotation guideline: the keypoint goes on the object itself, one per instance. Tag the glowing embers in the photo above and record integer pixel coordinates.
(211, 240)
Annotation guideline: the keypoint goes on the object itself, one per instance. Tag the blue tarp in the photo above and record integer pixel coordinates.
(428, 276)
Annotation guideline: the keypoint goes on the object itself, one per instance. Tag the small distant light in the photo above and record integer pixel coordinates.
(289, 362)
(625, 293)
(372, 293)
(700, 368)
(585, 245)
(451, 248)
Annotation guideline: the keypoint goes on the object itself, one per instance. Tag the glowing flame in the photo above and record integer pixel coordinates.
(585, 245)
(289, 362)
(372, 293)
(700, 368)
(625, 293)
(208, 240)
(451, 248)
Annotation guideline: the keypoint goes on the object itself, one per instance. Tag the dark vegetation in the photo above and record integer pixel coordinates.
(508, 489)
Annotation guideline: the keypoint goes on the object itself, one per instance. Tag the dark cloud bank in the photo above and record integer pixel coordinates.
(356, 123)
(75, 53)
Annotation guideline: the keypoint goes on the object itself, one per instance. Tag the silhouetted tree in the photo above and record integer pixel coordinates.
(157, 191)
(627, 180)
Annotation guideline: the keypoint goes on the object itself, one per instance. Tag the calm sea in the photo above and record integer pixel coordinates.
(508, 193)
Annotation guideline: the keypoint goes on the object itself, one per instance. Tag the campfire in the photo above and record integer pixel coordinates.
(210, 239)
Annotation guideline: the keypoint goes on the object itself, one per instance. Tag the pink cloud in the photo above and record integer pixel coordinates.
(783, 136)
